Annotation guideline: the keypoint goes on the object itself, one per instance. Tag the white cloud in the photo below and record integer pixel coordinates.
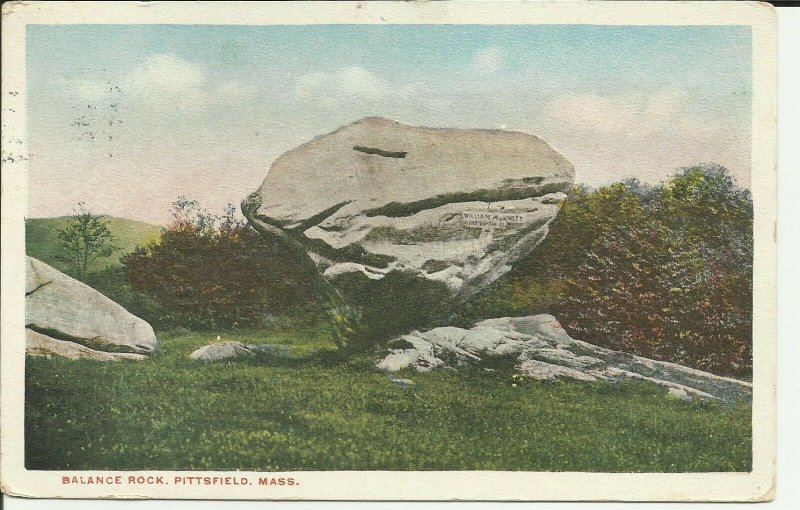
(592, 113)
(353, 82)
(233, 92)
(663, 106)
(411, 91)
(166, 81)
(489, 60)
(166, 74)
(357, 81)
(311, 84)
(616, 114)
(644, 134)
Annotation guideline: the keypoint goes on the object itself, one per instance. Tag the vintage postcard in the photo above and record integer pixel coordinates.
(506, 251)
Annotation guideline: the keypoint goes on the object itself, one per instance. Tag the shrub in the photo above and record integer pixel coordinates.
(393, 305)
(112, 282)
(218, 271)
(663, 271)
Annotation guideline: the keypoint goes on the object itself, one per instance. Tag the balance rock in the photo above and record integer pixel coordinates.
(454, 207)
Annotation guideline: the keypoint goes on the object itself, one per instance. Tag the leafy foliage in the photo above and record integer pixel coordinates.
(218, 271)
(113, 283)
(84, 240)
(662, 271)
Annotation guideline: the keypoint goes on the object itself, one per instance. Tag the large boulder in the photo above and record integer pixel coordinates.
(541, 349)
(452, 207)
(65, 317)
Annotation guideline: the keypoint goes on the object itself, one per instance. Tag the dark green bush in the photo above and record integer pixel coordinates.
(663, 271)
(219, 272)
(113, 283)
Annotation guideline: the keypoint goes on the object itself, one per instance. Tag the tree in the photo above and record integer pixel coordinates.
(85, 240)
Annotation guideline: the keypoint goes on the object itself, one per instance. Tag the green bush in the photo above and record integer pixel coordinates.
(219, 272)
(113, 283)
(663, 271)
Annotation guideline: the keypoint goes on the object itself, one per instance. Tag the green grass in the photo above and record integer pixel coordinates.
(41, 239)
(314, 412)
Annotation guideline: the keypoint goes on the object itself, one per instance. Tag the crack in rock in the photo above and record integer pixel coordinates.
(28, 293)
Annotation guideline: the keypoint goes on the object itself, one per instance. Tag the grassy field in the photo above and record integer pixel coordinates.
(41, 239)
(314, 412)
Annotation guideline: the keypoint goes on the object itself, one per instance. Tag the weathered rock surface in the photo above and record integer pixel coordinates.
(446, 205)
(232, 351)
(543, 350)
(65, 317)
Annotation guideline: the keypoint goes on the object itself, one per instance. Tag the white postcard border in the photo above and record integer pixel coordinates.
(394, 485)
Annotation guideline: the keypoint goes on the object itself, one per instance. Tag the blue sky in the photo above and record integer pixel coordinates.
(202, 110)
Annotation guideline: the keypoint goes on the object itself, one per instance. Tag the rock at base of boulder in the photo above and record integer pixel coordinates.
(233, 351)
(37, 344)
(544, 351)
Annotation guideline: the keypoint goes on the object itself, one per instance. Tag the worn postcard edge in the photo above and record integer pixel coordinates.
(757, 485)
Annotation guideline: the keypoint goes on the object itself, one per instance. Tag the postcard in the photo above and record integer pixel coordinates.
(469, 250)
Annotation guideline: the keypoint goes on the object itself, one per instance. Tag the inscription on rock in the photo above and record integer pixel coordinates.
(483, 219)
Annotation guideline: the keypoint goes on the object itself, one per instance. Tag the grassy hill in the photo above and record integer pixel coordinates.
(41, 239)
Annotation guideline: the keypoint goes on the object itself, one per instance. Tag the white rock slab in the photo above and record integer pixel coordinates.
(543, 350)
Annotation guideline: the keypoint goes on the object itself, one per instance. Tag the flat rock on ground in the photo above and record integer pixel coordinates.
(65, 317)
(451, 206)
(233, 351)
(541, 349)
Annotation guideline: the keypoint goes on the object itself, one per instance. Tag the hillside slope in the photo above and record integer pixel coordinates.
(41, 239)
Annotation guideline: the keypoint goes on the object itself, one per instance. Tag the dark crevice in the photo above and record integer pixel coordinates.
(281, 224)
(295, 238)
(350, 253)
(398, 209)
(37, 288)
(319, 217)
(380, 152)
(96, 343)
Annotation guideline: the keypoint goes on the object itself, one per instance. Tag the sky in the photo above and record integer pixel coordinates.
(126, 118)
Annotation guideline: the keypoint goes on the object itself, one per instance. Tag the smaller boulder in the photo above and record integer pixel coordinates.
(66, 317)
(233, 351)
